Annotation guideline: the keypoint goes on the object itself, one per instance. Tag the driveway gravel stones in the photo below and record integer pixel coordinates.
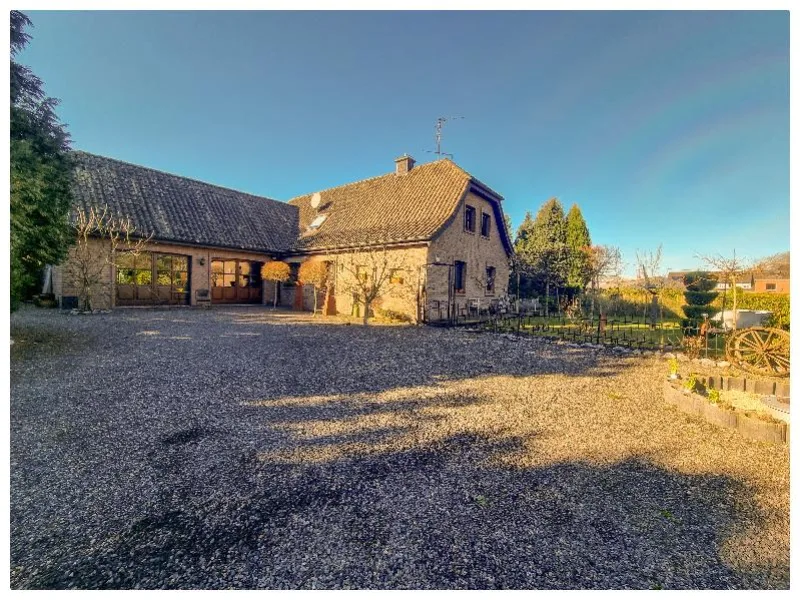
(242, 448)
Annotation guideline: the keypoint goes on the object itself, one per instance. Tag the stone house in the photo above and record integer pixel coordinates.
(434, 232)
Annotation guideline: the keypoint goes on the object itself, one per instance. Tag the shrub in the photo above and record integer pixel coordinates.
(699, 298)
(693, 344)
(699, 281)
(673, 366)
(691, 383)
(713, 396)
(393, 316)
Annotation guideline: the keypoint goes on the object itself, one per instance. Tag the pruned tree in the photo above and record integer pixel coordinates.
(730, 270)
(100, 236)
(367, 275)
(276, 272)
(699, 294)
(314, 273)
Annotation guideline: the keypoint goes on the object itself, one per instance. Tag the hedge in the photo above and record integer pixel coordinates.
(777, 303)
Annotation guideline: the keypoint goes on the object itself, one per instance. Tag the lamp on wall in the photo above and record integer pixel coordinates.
(201, 261)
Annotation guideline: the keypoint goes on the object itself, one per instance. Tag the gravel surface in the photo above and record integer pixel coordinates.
(239, 448)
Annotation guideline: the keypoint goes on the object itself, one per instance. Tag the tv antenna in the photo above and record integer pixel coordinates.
(439, 124)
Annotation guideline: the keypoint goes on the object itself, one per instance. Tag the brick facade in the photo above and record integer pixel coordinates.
(454, 243)
(777, 285)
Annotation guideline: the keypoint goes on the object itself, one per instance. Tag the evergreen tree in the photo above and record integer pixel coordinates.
(40, 174)
(509, 228)
(522, 284)
(542, 247)
(578, 242)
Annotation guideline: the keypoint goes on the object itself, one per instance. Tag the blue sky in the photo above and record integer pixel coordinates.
(664, 127)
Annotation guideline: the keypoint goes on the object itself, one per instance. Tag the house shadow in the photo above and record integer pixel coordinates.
(397, 457)
(438, 516)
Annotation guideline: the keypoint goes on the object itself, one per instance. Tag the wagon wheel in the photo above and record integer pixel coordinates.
(760, 350)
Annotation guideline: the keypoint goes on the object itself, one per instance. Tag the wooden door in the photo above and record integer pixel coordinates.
(235, 281)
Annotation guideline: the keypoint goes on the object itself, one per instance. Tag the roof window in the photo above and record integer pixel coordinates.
(317, 222)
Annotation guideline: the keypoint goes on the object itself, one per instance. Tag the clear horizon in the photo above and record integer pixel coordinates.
(664, 127)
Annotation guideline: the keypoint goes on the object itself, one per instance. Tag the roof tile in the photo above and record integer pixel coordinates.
(178, 209)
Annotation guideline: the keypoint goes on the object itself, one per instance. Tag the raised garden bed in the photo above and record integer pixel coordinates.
(747, 423)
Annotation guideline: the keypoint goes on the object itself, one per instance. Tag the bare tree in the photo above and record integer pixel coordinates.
(731, 269)
(651, 279)
(369, 274)
(776, 263)
(602, 261)
(100, 235)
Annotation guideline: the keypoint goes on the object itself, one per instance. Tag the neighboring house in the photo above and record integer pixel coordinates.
(744, 281)
(751, 281)
(777, 283)
(438, 228)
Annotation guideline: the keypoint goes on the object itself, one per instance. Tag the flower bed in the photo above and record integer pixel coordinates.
(748, 424)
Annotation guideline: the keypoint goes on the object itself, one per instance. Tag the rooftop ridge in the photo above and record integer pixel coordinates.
(374, 178)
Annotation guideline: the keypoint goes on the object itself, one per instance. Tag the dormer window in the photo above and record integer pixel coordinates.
(317, 222)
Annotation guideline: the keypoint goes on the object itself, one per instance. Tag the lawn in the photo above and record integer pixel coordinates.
(241, 448)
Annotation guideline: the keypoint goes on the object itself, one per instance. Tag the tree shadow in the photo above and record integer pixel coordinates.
(344, 457)
(440, 516)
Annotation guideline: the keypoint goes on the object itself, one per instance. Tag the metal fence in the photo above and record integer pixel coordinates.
(627, 332)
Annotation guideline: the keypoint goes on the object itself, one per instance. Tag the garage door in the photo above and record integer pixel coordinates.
(152, 278)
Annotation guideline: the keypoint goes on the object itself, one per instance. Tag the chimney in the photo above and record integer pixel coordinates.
(403, 164)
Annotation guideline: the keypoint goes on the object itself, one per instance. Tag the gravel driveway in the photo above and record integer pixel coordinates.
(239, 448)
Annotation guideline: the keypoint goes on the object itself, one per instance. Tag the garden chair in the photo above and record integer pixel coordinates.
(473, 307)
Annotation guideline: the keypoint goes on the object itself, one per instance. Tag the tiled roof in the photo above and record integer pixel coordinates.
(177, 209)
(387, 209)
